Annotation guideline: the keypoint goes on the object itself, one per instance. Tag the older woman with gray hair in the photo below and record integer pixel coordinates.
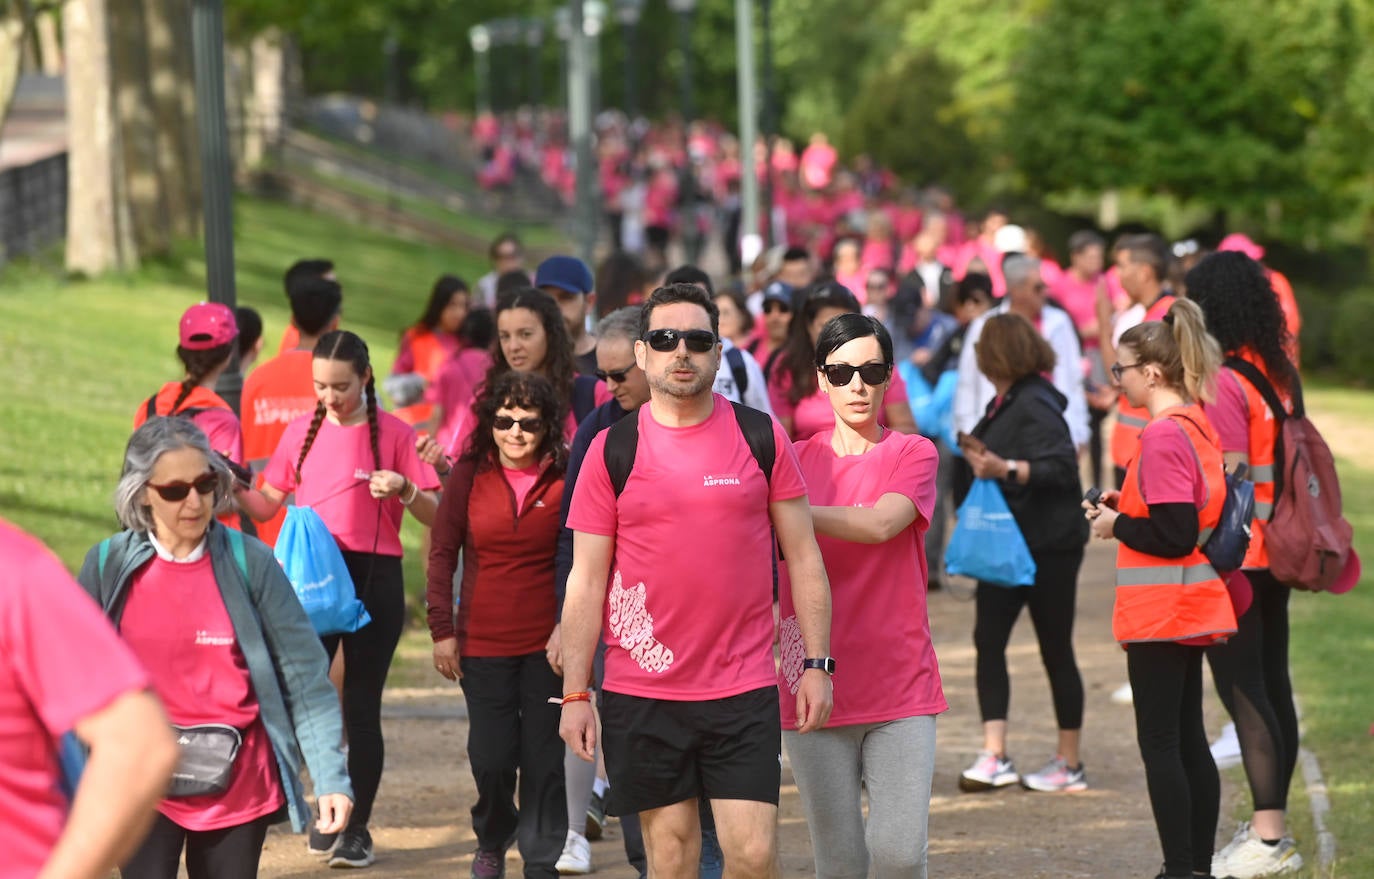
(229, 651)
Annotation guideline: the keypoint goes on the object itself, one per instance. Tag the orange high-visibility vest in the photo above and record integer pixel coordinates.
(1263, 432)
(1174, 599)
(429, 356)
(1131, 420)
(274, 395)
(162, 402)
(1292, 318)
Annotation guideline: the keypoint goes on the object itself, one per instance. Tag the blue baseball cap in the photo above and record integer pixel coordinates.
(777, 291)
(567, 273)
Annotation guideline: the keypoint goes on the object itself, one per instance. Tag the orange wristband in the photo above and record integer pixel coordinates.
(583, 696)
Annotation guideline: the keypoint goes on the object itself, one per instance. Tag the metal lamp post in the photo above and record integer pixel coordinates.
(562, 29)
(684, 9)
(480, 38)
(534, 41)
(593, 22)
(628, 12)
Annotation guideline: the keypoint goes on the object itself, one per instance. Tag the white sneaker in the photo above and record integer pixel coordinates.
(988, 772)
(1122, 695)
(1226, 749)
(576, 859)
(1247, 856)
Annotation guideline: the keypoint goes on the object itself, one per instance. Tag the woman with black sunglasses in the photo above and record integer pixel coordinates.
(211, 616)
(872, 492)
(798, 400)
(501, 510)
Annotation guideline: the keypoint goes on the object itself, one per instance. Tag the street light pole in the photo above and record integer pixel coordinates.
(534, 40)
(480, 38)
(748, 243)
(217, 185)
(593, 20)
(580, 130)
(627, 13)
(770, 122)
(684, 8)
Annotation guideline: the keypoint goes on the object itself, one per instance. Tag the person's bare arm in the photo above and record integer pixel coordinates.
(130, 764)
(891, 515)
(260, 504)
(581, 625)
(811, 598)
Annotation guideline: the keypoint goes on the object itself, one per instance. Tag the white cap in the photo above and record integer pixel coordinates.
(1009, 239)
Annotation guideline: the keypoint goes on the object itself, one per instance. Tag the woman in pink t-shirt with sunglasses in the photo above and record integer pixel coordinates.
(872, 491)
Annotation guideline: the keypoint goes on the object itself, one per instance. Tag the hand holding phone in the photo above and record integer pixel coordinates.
(968, 442)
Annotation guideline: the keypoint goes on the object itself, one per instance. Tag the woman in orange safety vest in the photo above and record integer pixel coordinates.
(424, 349)
(1170, 602)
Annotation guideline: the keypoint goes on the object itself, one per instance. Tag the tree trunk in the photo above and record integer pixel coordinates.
(49, 43)
(11, 52)
(172, 82)
(99, 233)
(130, 68)
(267, 101)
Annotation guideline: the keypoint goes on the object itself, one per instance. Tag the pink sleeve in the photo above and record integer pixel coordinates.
(1229, 414)
(280, 472)
(913, 476)
(407, 460)
(779, 383)
(222, 429)
(64, 653)
(787, 481)
(593, 507)
(1168, 465)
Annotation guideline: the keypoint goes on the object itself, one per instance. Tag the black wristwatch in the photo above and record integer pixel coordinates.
(825, 664)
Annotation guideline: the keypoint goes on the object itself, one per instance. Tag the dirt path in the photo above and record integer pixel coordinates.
(422, 828)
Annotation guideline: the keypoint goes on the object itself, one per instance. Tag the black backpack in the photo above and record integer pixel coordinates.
(622, 441)
(736, 359)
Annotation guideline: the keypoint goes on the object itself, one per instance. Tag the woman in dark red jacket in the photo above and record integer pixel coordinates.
(500, 508)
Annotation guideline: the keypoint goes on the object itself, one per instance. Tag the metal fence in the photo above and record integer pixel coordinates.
(33, 207)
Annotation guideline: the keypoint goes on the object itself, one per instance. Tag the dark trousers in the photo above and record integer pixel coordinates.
(1052, 605)
(943, 512)
(1185, 793)
(513, 731)
(231, 853)
(367, 658)
(1251, 674)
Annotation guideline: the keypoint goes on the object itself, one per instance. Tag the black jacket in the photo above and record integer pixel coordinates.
(1030, 426)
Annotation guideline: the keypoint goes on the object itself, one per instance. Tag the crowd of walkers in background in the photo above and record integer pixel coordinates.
(585, 443)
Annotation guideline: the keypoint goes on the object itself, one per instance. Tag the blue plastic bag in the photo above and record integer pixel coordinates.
(987, 544)
(312, 562)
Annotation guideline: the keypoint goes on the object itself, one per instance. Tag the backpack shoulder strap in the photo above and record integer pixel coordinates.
(757, 428)
(150, 408)
(736, 358)
(102, 553)
(236, 547)
(1266, 389)
(622, 441)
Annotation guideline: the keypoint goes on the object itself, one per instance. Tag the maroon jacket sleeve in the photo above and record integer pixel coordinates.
(449, 531)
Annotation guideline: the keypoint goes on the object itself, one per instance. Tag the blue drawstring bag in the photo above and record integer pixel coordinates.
(312, 562)
(987, 544)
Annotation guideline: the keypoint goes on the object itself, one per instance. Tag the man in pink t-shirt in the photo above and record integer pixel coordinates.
(678, 567)
(63, 669)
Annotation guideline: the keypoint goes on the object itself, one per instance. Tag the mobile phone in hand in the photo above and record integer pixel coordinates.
(1093, 496)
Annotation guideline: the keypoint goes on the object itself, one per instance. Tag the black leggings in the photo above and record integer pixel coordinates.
(231, 853)
(1185, 793)
(1251, 673)
(1051, 601)
(367, 658)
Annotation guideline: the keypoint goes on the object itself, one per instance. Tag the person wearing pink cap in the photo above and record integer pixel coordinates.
(1288, 302)
(207, 337)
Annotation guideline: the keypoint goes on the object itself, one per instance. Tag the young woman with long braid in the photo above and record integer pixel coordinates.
(358, 468)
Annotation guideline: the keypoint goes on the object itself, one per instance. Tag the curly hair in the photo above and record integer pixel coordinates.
(558, 366)
(515, 390)
(799, 356)
(1242, 312)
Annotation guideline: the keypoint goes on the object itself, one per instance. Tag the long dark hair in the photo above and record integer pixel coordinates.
(199, 364)
(558, 366)
(439, 297)
(799, 357)
(515, 390)
(350, 348)
(1242, 311)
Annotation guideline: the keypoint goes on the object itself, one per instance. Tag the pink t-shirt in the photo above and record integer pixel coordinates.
(1230, 414)
(1079, 299)
(60, 661)
(176, 623)
(1169, 472)
(335, 478)
(689, 609)
(877, 592)
(453, 391)
(813, 414)
(521, 481)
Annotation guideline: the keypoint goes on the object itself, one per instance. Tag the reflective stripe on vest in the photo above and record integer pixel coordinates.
(1262, 429)
(1183, 575)
(1262, 473)
(1132, 420)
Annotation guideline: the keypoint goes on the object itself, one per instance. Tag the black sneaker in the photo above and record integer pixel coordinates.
(354, 849)
(596, 817)
(322, 844)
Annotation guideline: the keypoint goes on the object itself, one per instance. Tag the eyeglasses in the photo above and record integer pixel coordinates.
(1118, 369)
(841, 374)
(175, 492)
(773, 305)
(698, 341)
(617, 375)
(528, 425)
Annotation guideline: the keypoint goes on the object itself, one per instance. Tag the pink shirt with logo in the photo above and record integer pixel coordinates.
(60, 661)
(176, 623)
(688, 612)
(885, 665)
(334, 480)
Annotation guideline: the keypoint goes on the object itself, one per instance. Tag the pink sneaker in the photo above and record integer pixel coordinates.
(1056, 777)
(988, 772)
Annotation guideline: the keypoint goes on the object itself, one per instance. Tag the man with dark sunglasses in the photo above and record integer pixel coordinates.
(678, 566)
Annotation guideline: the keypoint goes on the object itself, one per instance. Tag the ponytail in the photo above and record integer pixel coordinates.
(1199, 353)
(199, 363)
(348, 347)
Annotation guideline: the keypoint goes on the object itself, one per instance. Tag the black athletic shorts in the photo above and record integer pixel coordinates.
(660, 752)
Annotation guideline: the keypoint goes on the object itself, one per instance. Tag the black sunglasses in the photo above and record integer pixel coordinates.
(528, 425)
(617, 375)
(773, 305)
(178, 491)
(698, 341)
(841, 374)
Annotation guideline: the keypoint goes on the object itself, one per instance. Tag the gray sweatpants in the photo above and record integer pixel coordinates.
(895, 762)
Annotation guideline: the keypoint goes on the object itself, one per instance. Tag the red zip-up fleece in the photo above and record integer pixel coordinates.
(507, 605)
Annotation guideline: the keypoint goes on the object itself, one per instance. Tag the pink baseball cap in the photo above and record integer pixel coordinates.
(1242, 243)
(208, 325)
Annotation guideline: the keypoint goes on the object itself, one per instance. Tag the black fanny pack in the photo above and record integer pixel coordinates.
(208, 751)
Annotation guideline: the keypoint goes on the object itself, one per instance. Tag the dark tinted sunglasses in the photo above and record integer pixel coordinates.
(698, 341)
(773, 305)
(178, 491)
(841, 374)
(617, 376)
(528, 425)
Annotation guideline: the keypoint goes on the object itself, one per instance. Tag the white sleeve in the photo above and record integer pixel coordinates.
(757, 394)
(967, 411)
(1068, 378)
